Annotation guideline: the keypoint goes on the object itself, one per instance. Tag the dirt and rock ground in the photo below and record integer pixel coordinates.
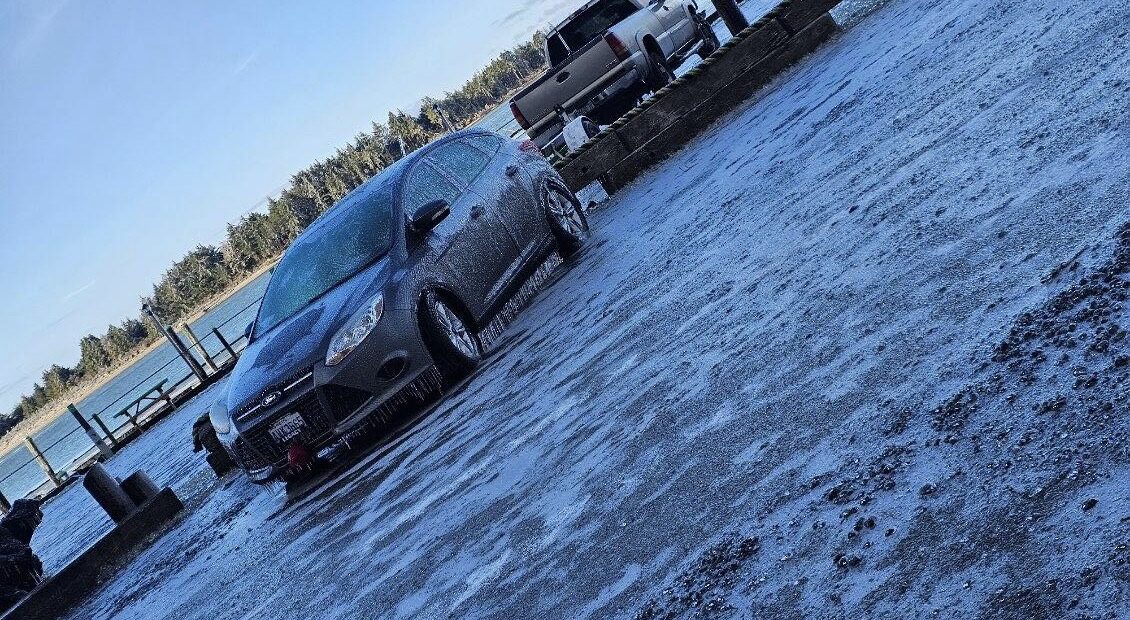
(859, 351)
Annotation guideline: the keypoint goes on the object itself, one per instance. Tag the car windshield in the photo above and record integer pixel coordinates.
(350, 238)
(594, 21)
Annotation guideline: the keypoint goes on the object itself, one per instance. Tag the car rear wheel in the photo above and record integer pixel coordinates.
(455, 346)
(567, 220)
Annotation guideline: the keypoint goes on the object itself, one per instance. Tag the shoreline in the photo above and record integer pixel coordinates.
(41, 419)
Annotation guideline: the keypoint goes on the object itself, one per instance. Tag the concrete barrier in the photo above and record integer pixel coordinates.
(62, 591)
(682, 110)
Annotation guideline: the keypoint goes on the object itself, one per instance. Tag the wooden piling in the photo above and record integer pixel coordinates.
(90, 432)
(106, 429)
(732, 14)
(199, 345)
(224, 341)
(46, 466)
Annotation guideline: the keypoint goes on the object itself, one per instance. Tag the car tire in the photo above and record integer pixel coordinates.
(567, 220)
(455, 347)
(659, 73)
(710, 40)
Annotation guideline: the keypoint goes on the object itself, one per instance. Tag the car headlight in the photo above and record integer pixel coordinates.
(355, 332)
(221, 421)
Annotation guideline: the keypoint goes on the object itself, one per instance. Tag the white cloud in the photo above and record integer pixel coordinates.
(79, 291)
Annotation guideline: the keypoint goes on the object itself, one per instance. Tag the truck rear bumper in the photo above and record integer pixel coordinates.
(627, 82)
(609, 84)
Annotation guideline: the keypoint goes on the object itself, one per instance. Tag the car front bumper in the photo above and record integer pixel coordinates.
(387, 374)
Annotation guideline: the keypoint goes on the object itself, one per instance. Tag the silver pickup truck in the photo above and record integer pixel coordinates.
(607, 55)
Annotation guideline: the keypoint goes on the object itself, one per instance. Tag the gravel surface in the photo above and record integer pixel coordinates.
(858, 351)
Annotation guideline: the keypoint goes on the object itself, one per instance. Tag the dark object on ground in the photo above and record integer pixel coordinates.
(140, 487)
(108, 492)
(20, 568)
(71, 584)
(204, 438)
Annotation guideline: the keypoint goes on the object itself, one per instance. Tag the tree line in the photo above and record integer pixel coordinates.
(259, 238)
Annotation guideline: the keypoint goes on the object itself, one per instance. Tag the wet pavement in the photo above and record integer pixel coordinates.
(858, 351)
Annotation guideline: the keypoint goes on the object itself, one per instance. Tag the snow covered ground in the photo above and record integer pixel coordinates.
(858, 351)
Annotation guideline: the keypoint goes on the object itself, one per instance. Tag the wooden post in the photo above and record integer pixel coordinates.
(106, 429)
(732, 14)
(165, 396)
(34, 449)
(178, 344)
(129, 416)
(90, 432)
(199, 345)
(224, 341)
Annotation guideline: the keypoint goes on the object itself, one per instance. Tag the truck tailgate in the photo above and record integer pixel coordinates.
(582, 70)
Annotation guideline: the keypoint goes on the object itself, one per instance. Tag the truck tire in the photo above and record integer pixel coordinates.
(659, 72)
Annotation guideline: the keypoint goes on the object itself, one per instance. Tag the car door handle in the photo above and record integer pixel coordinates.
(512, 170)
(477, 212)
(561, 77)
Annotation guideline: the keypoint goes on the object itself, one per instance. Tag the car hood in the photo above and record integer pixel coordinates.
(290, 350)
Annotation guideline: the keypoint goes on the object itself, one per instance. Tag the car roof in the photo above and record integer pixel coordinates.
(393, 174)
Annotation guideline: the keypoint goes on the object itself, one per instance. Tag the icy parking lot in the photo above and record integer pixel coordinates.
(858, 351)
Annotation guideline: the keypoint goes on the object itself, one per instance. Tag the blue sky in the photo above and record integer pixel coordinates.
(131, 131)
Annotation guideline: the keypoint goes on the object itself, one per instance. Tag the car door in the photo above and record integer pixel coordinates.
(478, 250)
(508, 179)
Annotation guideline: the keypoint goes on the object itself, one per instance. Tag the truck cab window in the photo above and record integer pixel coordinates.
(595, 21)
(558, 53)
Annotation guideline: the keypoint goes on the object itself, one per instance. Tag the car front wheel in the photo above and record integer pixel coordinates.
(455, 346)
(568, 222)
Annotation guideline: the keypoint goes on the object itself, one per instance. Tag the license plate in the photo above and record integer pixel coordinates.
(287, 428)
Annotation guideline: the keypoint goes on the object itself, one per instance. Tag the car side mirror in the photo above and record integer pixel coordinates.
(247, 332)
(427, 217)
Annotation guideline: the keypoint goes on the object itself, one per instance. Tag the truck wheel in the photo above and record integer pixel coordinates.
(659, 74)
(710, 40)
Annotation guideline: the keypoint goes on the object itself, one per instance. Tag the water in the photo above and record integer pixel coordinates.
(62, 441)
(501, 120)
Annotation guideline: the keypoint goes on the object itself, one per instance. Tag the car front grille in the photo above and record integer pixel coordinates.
(260, 450)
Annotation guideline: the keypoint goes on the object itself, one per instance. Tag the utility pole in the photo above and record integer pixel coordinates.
(177, 343)
(732, 15)
(447, 124)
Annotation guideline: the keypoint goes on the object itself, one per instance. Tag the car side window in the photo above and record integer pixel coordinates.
(460, 160)
(426, 185)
